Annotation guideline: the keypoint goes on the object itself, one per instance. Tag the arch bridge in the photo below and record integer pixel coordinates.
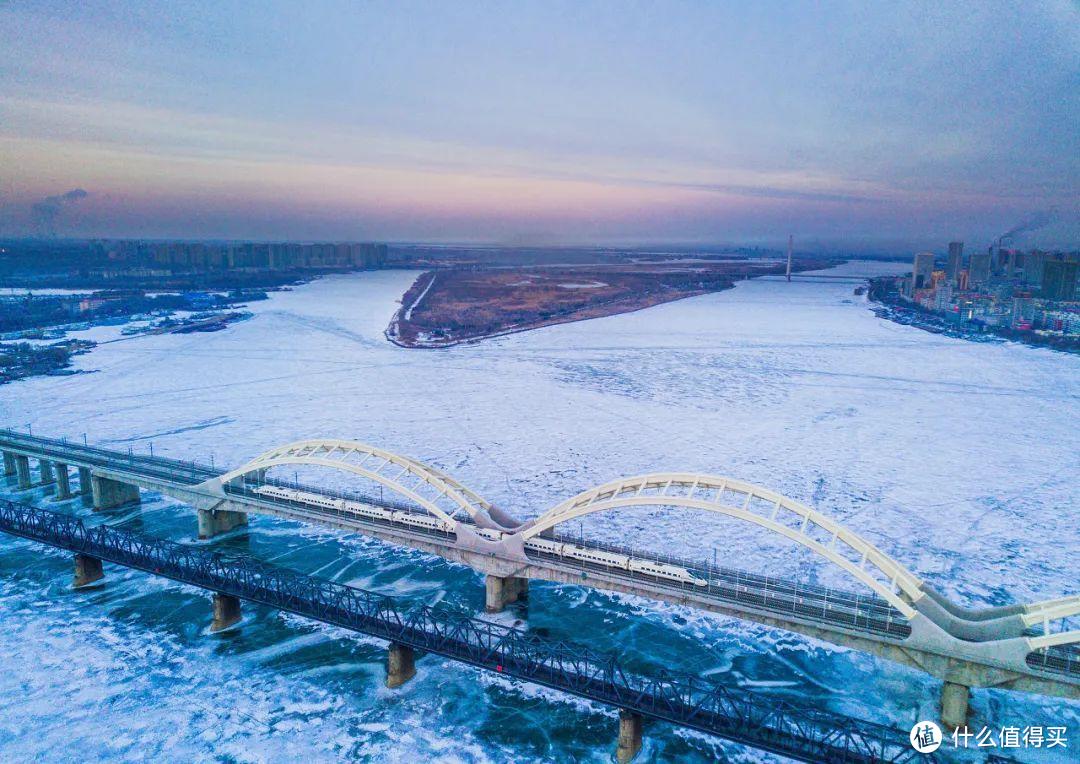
(893, 613)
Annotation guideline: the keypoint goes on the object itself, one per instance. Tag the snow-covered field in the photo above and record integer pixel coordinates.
(960, 459)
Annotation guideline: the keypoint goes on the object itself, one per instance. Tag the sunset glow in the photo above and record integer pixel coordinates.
(565, 123)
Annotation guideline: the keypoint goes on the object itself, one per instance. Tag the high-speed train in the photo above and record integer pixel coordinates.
(653, 569)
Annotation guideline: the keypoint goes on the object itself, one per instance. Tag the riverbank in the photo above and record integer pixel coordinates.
(892, 308)
(20, 360)
(40, 334)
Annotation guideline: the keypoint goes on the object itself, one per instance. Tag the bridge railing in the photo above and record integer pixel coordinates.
(867, 602)
(158, 465)
(731, 712)
(1059, 659)
(247, 488)
(800, 598)
(709, 570)
(864, 612)
(840, 607)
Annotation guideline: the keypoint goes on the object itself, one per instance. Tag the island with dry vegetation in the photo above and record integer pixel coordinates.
(459, 305)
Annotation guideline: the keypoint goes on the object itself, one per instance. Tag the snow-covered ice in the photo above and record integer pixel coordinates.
(960, 459)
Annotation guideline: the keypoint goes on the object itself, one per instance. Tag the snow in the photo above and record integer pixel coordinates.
(420, 297)
(957, 458)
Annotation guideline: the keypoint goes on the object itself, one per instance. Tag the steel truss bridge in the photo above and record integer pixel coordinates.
(682, 699)
(896, 615)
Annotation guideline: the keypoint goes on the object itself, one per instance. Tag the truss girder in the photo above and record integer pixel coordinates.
(734, 713)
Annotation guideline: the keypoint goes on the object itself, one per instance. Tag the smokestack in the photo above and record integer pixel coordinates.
(790, 244)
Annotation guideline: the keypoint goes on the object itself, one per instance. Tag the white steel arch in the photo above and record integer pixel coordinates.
(432, 489)
(744, 501)
(1055, 640)
(1050, 612)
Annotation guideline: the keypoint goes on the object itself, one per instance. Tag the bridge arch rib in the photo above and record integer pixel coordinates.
(1060, 613)
(744, 501)
(435, 491)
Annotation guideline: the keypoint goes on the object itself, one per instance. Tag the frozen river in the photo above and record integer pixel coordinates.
(958, 458)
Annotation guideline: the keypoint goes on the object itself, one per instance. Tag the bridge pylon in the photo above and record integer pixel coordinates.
(88, 570)
(226, 612)
(500, 591)
(955, 705)
(400, 665)
(629, 743)
(214, 522)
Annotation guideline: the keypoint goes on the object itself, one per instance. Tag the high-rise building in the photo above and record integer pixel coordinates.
(1059, 279)
(943, 296)
(1000, 262)
(978, 269)
(1015, 264)
(956, 260)
(1033, 267)
(1023, 311)
(922, 272)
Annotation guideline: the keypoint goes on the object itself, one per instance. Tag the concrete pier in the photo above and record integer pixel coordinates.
(214, 522)
(9, 463)
(47, 474)
(629, 744)
(85, 490)
(226, 611)
(22, 472)
(955, 705)
(112, 493)
(87, 570)
(501, 591)
(400, 665)
(63, 483)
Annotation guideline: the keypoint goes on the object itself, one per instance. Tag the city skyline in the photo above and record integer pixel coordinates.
(560, 124)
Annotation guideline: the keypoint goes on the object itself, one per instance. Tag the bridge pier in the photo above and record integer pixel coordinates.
(22, 472)
(63, 483)
(214, 522)
(400, 665)
(226, 611)
(629, 744)
(109, 493)
(9, 463)
(48, 476)
(955, 705)
(500, 591)
(85, 490)
(87, 570)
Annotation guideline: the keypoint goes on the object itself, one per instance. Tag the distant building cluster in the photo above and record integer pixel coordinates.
(156, 257)
(1028, 291)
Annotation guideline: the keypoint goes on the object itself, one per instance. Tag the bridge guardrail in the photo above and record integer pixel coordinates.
(173, 468)
(1060, 659)
(861, 612)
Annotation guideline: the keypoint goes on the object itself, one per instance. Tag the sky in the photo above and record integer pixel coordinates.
(889, 125)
